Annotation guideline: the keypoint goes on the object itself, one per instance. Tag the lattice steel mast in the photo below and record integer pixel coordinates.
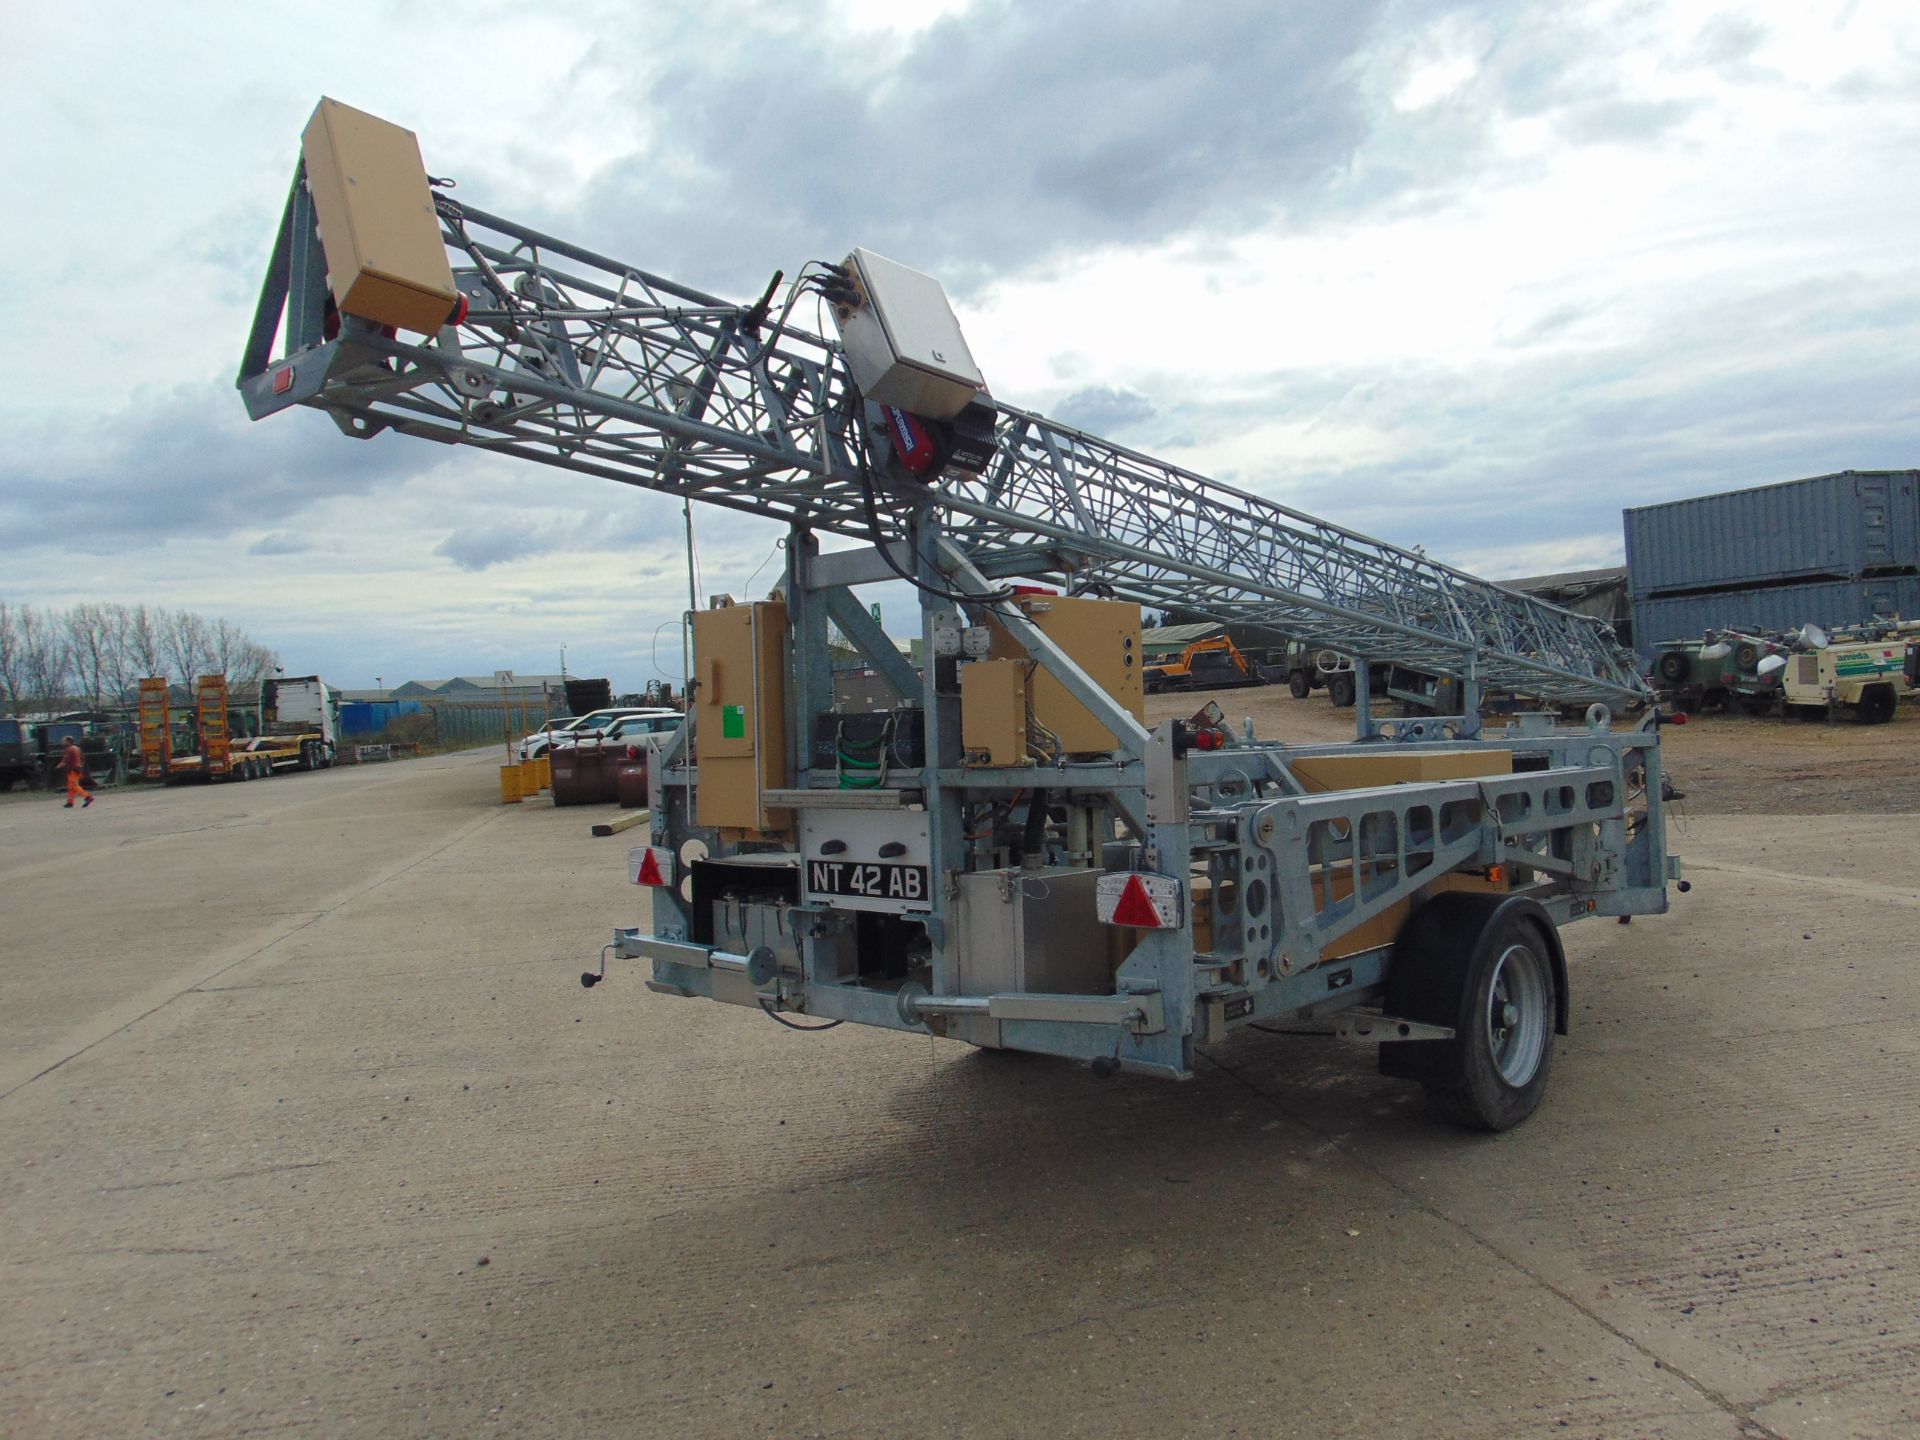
(572, 359)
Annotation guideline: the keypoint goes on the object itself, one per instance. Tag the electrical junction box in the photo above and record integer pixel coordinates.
(386, 261)
(1103, 637)
(903, 342)
(740, 715)
(993, 712)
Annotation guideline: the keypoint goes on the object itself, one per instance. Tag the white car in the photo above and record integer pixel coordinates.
(630, 730)
(604, 725)
(533, 746)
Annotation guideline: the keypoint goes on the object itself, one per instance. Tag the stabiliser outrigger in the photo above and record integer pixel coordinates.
(1007, 855)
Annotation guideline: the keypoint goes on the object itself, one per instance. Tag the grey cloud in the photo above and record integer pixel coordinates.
(1104, 410)
(1775, 384)
(1623, 121)
(1002, 136)
(186, 463)
(1728, 39)
(478, 546)
(279, 543)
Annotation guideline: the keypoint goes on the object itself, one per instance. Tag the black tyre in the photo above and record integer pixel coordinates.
(1298, 685)
(1488, 967)
(1340, 688)
(1876, 705)
(1746, 655)
(1673, 667)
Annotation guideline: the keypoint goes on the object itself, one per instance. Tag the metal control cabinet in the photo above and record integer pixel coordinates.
(740, 715)
(1103, 637)
(385, 260)
(903, 343)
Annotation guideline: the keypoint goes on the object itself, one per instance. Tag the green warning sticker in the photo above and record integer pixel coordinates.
(733, 722)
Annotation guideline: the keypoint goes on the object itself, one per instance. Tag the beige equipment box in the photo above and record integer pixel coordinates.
(385, 259)
(1103, 637)
(740, 716)
(993, 712)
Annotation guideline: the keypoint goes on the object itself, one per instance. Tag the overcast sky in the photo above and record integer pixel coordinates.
(1468, 276)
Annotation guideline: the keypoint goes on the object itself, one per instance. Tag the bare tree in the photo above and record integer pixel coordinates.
(43, 657)
(89, 634)
(239, 658)
(10, 658)
(118, 673)
(100, 651)
(189, 645)
(146, 646)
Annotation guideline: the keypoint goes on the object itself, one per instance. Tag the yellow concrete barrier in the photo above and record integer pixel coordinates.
(545, 762)
(530, 779)
(509, 784)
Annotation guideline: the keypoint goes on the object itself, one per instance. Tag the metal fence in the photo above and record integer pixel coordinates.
(455, 724)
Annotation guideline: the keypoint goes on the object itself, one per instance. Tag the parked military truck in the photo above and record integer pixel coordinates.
(1722, 670)
(19, 760)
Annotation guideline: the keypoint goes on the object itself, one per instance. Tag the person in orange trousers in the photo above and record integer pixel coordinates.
(75, 764)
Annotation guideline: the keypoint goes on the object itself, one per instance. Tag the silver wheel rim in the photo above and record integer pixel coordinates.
(1516, 1016)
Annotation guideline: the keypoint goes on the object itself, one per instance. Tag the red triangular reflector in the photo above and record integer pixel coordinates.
(650, 869)
(1136, 906)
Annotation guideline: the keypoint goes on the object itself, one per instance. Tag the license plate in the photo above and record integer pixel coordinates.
(906, 884)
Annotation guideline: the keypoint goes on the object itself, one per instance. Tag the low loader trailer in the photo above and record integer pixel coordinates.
(298, 721)
(1009, 855)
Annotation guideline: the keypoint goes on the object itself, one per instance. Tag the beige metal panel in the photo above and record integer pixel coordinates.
(385, 258)
(993, 712)
(1363, 772)
(740, 715)
(1103, 637)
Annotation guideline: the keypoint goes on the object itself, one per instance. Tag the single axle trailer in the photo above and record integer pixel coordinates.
(1009, 855)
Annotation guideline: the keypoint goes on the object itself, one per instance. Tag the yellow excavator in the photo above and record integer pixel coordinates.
(1212, 664)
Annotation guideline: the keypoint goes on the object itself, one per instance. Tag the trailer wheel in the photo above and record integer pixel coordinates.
(1298, 685)
(1672, 667)
(1340, 688)
(1488, 967)
(1876, 705)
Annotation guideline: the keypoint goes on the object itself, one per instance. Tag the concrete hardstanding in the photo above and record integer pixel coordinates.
(305, 1123)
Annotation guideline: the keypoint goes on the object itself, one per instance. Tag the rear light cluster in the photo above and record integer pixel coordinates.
(1139, 900)
(650, 865)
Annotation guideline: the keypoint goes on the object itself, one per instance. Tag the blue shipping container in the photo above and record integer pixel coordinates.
(1836, 527)
(1772, 608)
(370, 717)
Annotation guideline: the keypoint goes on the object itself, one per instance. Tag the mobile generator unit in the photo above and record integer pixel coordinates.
(1009, 856)
(1864, 670)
